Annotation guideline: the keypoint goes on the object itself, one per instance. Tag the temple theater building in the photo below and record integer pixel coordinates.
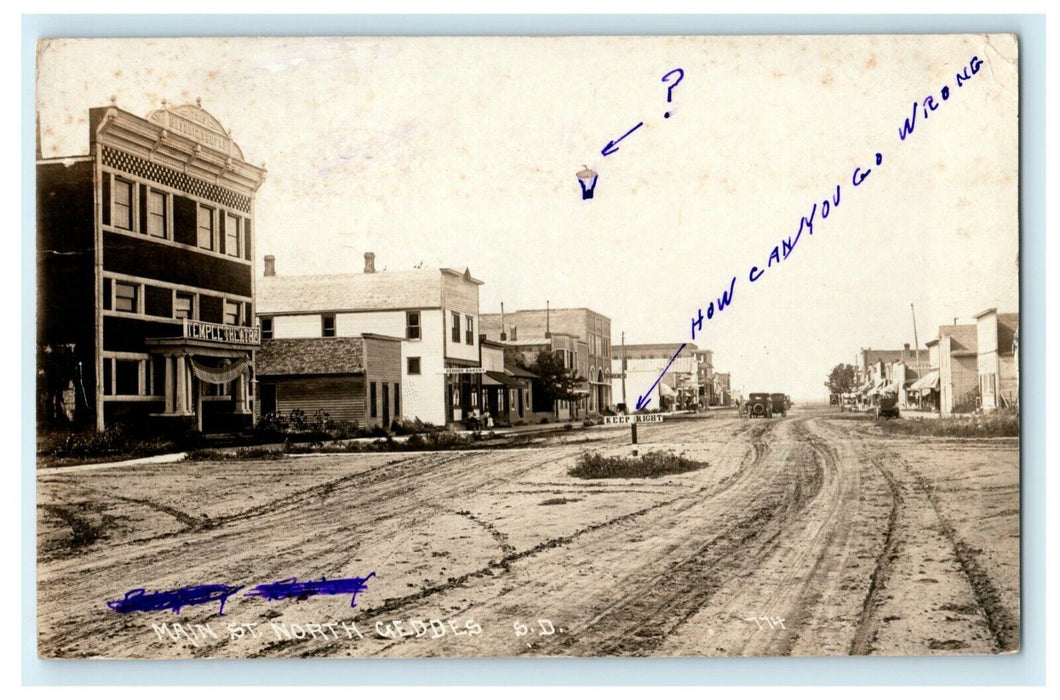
(145, 305)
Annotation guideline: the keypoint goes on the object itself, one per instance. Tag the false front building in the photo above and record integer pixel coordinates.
(433, 313)
(582, 326)
(145, 276)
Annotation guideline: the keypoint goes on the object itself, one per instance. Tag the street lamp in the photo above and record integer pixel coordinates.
(587, 180)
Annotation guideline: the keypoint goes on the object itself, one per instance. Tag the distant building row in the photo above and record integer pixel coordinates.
(965, 368)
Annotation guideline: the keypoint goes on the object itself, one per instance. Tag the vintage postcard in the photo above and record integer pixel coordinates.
(693, 346)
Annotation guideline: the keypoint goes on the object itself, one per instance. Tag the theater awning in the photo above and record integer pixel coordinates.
(218, 375)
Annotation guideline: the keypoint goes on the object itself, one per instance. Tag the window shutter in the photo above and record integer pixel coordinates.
(185, 221)
(106, 199)
(143, 208)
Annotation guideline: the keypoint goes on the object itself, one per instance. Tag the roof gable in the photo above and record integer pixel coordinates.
(375, 291)
(305, 356)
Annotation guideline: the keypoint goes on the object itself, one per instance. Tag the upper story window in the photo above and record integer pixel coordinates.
(469, 332)
(266, 329)
(327, 325)
(126, 297)
(412, 325)
(206, 228)
(156, 214)
(456, 326)
(121, 214)
(232, 235)
(412, 365)
(232, 315)
(183, 305)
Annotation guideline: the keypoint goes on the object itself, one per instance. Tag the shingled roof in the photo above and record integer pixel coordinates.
(301, 356)
(396, 289)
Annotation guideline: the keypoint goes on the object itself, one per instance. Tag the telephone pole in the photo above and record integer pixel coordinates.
(915, 340)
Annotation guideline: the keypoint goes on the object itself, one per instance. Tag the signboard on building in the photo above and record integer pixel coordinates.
(626, 420)
(465, 370)
(202, 330)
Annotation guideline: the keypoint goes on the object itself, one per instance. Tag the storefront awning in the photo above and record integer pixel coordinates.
(490, 378)
(666, 391)
(891, 388)
(926, 383)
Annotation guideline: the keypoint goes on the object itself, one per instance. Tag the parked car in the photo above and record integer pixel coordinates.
(887, 407)
(780, 404)
(759, 406)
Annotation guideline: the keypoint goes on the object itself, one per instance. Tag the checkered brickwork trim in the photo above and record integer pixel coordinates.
(126, 162)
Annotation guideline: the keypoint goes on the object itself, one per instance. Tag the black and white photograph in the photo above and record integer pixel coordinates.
(500, 346)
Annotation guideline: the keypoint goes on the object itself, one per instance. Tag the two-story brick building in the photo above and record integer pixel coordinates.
(585, 325)
(433, 312)
(145, 275)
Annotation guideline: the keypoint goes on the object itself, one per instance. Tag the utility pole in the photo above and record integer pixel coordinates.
(915, 340)
(624, 371)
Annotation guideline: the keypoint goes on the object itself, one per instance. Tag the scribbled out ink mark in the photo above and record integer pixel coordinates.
(587, 180)
(139, 600)
(293, 588)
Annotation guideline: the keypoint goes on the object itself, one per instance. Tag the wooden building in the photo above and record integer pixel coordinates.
(433, 312)
(349, 379)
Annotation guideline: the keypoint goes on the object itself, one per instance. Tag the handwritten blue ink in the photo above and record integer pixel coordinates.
(670, 89)
(587, 191)
(139, 600)
(929, 105)
(828, 205)
(641, 401)
(611, 147)
(724, 300)
(293, 588)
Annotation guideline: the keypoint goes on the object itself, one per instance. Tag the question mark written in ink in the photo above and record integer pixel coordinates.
(670, 90)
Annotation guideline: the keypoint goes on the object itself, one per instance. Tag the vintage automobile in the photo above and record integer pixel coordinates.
(887, 407)
(780, 404)
(759, 406)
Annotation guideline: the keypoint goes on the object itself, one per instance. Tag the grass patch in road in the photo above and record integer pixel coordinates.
(558, 501)
(649, 465)
(997, 424)
(243, 453)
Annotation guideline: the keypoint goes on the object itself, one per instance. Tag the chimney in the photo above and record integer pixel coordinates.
(369, 263)
(504, 336)
(270, 265)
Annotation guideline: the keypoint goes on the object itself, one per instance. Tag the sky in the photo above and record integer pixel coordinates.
(462, 153)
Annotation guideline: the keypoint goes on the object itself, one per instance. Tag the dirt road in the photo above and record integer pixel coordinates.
(811, 534)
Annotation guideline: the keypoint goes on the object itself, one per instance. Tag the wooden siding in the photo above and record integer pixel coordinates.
(342, 398)
(383, 365)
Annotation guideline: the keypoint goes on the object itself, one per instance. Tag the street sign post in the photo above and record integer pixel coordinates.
(632, 421)
(635, 418)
